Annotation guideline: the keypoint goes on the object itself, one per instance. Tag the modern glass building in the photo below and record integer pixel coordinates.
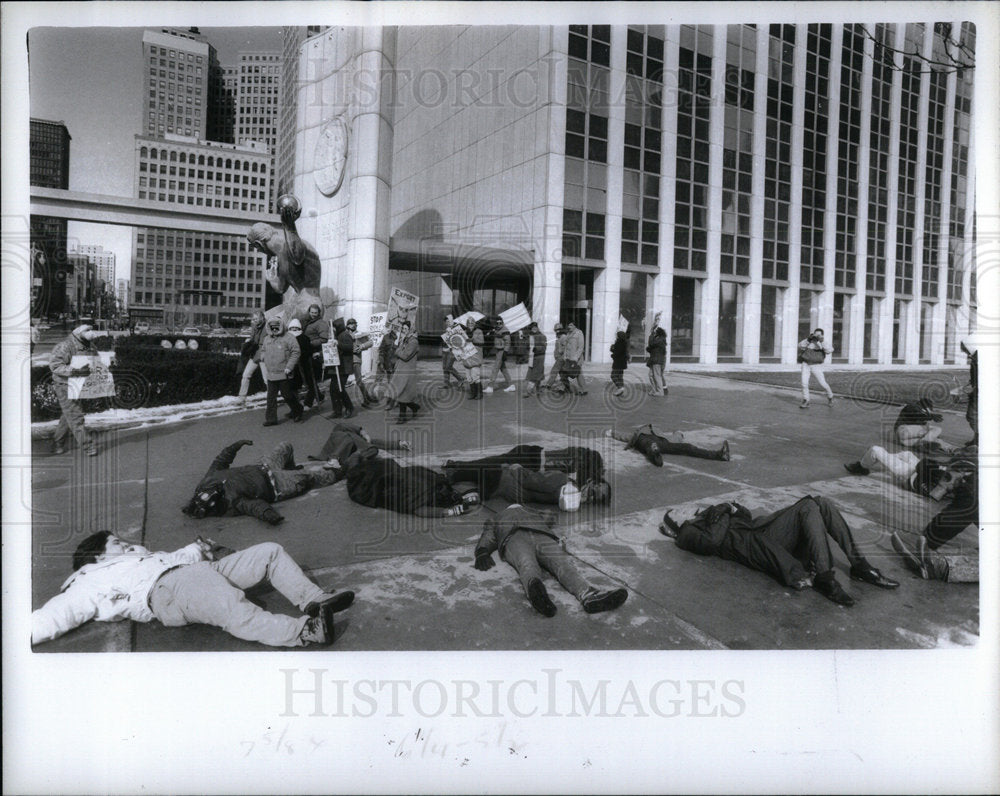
(747, 182)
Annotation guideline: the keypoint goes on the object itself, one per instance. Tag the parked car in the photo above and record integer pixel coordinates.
(191, 331)
(245, 331)
(158, 329)
(141, 328)
(218, 333)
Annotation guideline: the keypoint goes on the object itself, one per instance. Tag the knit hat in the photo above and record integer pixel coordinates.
(295, 327)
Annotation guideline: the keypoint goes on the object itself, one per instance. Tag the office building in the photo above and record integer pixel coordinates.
(181, 278)
(746, 182)
(103, 261)
(49, 145)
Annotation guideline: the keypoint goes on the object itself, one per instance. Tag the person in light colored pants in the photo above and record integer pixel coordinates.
(901, 466)
(813, 344)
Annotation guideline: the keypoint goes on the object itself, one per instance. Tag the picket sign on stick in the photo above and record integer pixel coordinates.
(331, 356)
(516, 318)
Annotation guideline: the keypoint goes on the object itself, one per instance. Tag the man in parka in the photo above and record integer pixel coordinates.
(80, 341)
(526, 540)
(252, 488)
(279, 351)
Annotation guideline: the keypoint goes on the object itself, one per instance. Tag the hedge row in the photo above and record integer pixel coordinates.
(205, 343)
(151, 377)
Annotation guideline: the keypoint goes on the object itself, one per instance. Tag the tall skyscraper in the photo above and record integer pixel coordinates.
(178, 65)
(103, 261)
(49, 144)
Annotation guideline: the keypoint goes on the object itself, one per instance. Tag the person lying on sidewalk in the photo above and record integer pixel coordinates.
(934, 475)
(918, 426)
(385, 484)
(202, 583)
(791, 545)
(525, 540)
(566, 477)
(252, 488)
(952, 566)
(348, 439)
(653, 443)
(585, 463)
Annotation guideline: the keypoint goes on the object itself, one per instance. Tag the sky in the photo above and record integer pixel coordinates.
(91, 79)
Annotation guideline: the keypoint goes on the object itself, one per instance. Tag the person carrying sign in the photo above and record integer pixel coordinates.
(80, 341)
(403, 385)
(350, 355)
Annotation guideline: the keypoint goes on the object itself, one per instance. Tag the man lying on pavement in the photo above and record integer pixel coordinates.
(525, 540)
(791, 544)
(202, 583)
(653, 444)
(251, 489)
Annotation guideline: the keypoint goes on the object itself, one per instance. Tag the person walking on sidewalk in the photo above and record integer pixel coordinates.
(619, 361)
(792, 544)
(252, 488)
(653, 444)
(812, 353)
(558, 351)
(536, 359)
(403, 385)
(501, 349)
(526, 540)
(656, 347)
(350, 357)
(572, 366)
(386, 357)
(279, 352)
(315, 332)
(340, 399)
(202, 583)
(80, 341)
(248, 364)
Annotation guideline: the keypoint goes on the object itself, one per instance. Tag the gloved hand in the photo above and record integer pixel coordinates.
(484, 561)
(272, 517)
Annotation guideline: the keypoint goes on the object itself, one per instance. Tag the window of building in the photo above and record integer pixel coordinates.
(778, 149)
(814, 151)
(909, 149)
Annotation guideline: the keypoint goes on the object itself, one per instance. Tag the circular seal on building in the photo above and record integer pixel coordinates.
(330, 156)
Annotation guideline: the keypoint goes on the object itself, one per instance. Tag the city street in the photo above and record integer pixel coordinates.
(415, 583)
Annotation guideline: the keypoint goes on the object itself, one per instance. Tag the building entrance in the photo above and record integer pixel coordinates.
(577, 302)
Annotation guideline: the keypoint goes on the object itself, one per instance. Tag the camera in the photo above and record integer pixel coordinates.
(813, 338)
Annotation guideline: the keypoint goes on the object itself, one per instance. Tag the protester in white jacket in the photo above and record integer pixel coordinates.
(202, 583)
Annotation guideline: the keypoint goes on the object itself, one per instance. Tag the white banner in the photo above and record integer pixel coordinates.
(622, 323)
(463, 319)
(516, 318)
(99, 383)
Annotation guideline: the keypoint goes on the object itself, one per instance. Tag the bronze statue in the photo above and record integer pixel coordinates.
(293, 266)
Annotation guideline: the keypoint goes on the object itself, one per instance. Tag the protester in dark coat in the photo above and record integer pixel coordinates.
(347, 440)
(536, 363)
(350, 358)
(788, 544)
(951, 566)
(619, 361)
(656, 347)
(501, 352)
(526, 540)
(250, 489)
(386, 356)
(972, 411)
(403, 385)
(340, 399)
(315, 332)
(385, 484)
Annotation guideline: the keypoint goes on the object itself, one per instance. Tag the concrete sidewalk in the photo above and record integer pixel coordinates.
(416, 586)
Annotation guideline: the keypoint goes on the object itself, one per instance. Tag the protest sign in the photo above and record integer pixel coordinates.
(99, 383)
(516, 318)
(402, 307)
(331, 356)
(463, 319)
(622, 323)
(462, 347)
